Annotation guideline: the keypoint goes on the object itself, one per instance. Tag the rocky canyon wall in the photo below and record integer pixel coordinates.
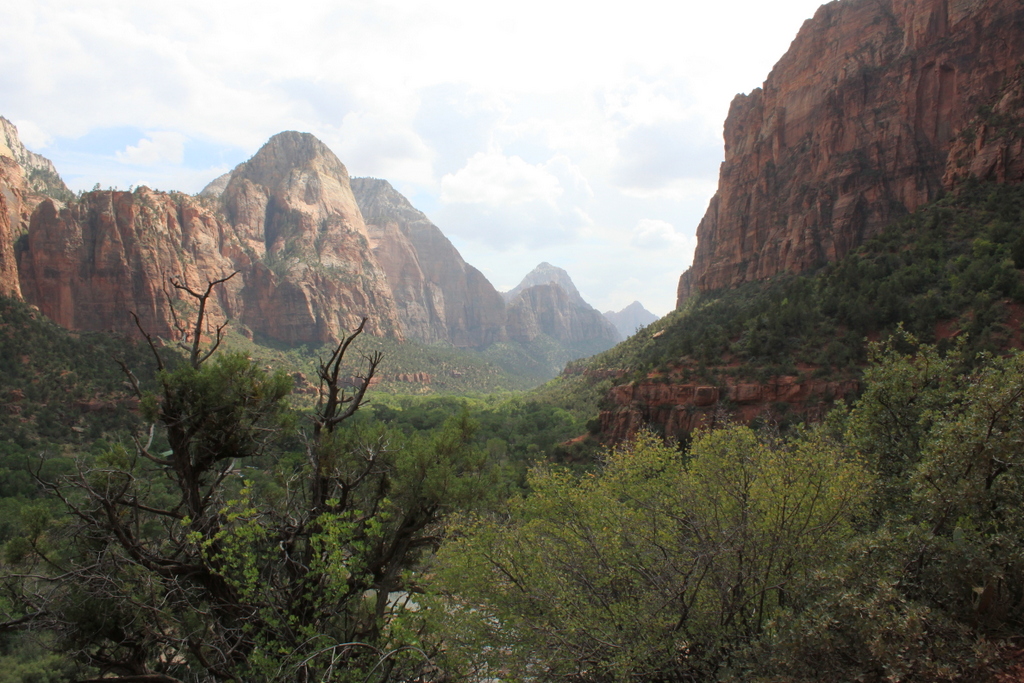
(439, 296)
(876, 108)
(286, 220)
(314, 251)
(25, 179)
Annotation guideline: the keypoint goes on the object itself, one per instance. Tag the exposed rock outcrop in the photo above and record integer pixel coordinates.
(439, 297)
(41, 175)
(292, 206)
(679, 408)
(287, 221)
(630, 319)
(24, 178)
(855, 126)
(315, 252)
(87, 263)
(12, 191)
(547, 302)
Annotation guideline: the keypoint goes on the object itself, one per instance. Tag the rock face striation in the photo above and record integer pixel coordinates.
(438, 296)
(547, 302)
(313, 274)
(41, 177)
(12, 217)
(87, 264)
(312, 252)
(876, 108)
(25, 177)
(286, 221)
(630, 319)
(682, 407)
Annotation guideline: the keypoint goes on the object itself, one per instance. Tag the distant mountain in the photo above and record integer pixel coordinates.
(630, 319)
(543, 274)
(547, 302)
(313, 252)
(438, 295)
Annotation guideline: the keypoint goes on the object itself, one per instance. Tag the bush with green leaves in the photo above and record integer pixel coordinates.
(656, 568)
(886, 544)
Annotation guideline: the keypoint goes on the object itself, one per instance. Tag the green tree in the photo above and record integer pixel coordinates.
(934, 580)
(656, 568)
(209, 551)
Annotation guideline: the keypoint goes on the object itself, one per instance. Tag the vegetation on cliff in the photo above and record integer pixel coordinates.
(233, 541)
(883, 545)
(951, 269)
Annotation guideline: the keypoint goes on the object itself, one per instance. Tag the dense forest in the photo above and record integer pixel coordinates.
(177, 510)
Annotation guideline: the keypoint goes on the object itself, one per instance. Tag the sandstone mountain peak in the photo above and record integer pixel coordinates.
(293, 150)
(315, 250)
(439, 296)
(630, 319)
(40, 174)
(543, 274)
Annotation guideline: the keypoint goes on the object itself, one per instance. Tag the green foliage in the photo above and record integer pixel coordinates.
(655, 568)
(884, 545)
(58, 386)
(953, 268)
(221, 545)
(936, 576)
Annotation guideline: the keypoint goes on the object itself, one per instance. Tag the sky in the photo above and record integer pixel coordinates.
(584, 134)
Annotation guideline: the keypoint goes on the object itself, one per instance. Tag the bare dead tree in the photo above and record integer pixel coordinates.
(334, 406)
(191, 334)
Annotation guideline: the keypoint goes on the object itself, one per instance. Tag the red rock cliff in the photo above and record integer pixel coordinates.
(439, 296)
(286, 220)
(87, 263)
(25, 178)
(12, 189)
(855, 125)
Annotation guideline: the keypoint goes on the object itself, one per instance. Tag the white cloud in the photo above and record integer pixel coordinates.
(655, 234)
(544, 128)
(495, 179)
(165, 147)
(380, 145)
(31, 135)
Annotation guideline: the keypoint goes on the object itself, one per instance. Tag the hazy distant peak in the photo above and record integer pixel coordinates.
(217, 186)
(630, 319)
(543, 274)
(378, 200)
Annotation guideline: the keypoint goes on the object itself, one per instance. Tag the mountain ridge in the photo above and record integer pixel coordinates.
(630, 319)
(315, 252)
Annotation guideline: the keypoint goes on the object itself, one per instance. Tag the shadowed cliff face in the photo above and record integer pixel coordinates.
(314, 275)
(311, 260)
(88, 263)
(679, 408)
(24, 178)
(438, 295)
(855, 126)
